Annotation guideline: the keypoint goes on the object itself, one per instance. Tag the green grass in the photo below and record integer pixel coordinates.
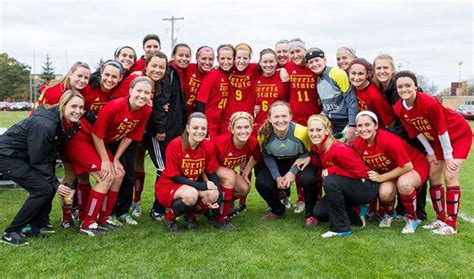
(260, 249)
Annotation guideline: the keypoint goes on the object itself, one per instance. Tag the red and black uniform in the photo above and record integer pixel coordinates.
(268, 90)
(303, 97)
(345, 185)
(184, 167)
(51, 95)
(95, 98)
(212, 95)
(371, 98)
(387, 152)
(191, 84)
(241, 93)
(139, 65)
(434, 121)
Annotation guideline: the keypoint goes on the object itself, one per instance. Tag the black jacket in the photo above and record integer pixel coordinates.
(172, 122)
(36, 140)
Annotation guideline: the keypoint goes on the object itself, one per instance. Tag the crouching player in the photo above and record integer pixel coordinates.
(235, 149)
(188, 158)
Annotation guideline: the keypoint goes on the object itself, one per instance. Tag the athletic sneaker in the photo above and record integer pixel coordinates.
(67, 224)
(107, 226)
(113, 220)
(128, 219)
(92, 230)
(446, 230)
(373, 217)
(225, 225)
(329, 234)
(386, 221)
(299, 207)
(171, 226)
(411, 226)
(14, 238)
(137, 209)
(286, 202)
(311, 222)
(236, 211)
(157, 216)
(363, 210)
(436, 224)
(47, 229)
(271, 216)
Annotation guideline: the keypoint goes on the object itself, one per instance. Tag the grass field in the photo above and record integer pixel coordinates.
(260, 249)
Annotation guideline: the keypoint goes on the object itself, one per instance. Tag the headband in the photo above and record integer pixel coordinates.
(297, 43)
(350, 50)
(115, 64)
(204, 49)
(313, 53)
(361, 61)
(368, 113)
(406, 74)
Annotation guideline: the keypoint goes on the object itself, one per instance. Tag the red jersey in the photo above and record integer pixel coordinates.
(229, 156)
(190, 163)
(116, 121)
(51, 95)
(389, 151)
(95, 98)
(192, 82)
(268, 90)
(371, 98)
(342, 160)
(429, 117)
(241, 93)
(303, 98)
(213, 93)
(123, 88)
(139, 65)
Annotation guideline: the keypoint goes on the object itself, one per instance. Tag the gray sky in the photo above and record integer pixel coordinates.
(427, 37)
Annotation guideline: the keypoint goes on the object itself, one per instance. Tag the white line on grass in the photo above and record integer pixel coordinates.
(466, 217)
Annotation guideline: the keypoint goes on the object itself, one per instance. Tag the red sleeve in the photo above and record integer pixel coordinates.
(137, 133)
(104, 118)
(123, 89)
(206, 88)
(173, 160)
(434, 111)
(211, 161)
(255, 149)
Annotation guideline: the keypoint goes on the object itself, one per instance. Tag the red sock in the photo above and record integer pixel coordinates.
(93, 207)
(437, 198)
(243, 200)
(453, 198)
(169, 216)
(409, 203)
(299, 191)
(83, 190)
(190, 214)
(139, 183)
(67, 211)
(228, 199)
(386, 208)
(373, 207)
(202, 206)
(107, 206)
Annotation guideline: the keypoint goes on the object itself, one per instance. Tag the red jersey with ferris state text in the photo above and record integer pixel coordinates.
(268, 90)
(192, 82)
(117, 120)
(95, 98)
(230, 156)
(241, 95)
(429, 117)
(304, 99)
(123, 88)
(371, 98)
(389, 151)
(190, 163)
(342, 160)
(213, 93)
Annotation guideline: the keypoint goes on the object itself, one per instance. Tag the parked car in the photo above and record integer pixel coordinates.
(5, 106)
(467, 111)
(16, 106)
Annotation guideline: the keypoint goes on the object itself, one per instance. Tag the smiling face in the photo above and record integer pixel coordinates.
(317, 65)
(242, 130)
(73, 110)
(343, 59)
(280, 118)
(297, 55)
(268, 64)
(406, 89)
(205, 61)
(366, 128)
(126, 57)
(384, 71)
(226, 59)
(182, 57)
(242, 59)
(156, 68)
(140, 95)
(197, 130)
(283, 53)
(358, 76)
(151, 46)
(317, 132)
(109, 78)
(79, 78)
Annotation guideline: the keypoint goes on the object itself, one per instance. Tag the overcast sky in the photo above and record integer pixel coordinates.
(427, 37)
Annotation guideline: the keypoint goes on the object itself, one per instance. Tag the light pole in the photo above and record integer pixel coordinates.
(460, 64)
(173, 19)
(400, 66)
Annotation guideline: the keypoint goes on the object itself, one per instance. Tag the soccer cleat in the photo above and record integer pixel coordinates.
(113, 220)
(311, 222)
(225, 225)
(14, 238)
(157, 216)
(47, 229)
(373, 217)
(286, 202)
(171, 226)
(127, 218)
(192, 224)
(107, 226)
(271, 216)
(237, 211)
(92, 230)
(436, 224)
(67, 224)
(446, 230)
(137, 209)
(329, 234)
(386, 221)
(411, 226)
(299, 207)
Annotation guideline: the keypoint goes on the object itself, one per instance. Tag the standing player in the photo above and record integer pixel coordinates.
(396, 166)
(151, 43)
(180, 188)
(447, 139)
(344, 57)
(282, 50)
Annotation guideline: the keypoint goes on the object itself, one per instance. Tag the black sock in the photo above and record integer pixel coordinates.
(179, 207)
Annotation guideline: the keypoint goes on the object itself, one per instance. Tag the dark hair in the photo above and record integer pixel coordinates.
(184, 136)
(226, 46)
(118, 50)
(364, 63)
(161, 55)
(406, 74)
(175, 49)
(262, 53)
(151, 37)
